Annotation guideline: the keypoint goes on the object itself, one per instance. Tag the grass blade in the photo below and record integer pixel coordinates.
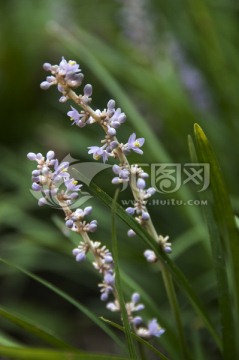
(68, 298)
(34, 329)
(225, 245)
(46, 354)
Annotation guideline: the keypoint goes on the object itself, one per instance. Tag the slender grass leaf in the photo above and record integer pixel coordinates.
(68, 298)
(225, 245)
(46, 354)
(7, 340)
(172, 297)
(33, 329)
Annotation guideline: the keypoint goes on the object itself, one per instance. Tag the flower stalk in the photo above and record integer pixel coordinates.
(67, 76)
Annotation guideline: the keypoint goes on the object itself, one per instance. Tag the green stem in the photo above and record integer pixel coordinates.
(120, 296)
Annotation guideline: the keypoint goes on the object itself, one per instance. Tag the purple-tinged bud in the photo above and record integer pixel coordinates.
(131, 233)
(109, 279)
(112, 306)
(144, 175)
(76, 251)
(47, 66)
(130, 210)
(88, 90)
(92, 227)
(42, 201)
(45, 85)
(69, 223)
(87, 210)
(124, 174)
(80, 257)
(31, 156)
(108, 259)
(116, 169)
(137, 320)
(135, 297)
(116, 180)
(39, 157)
(168, 249)
(50, 155)
(145, 216)
(114, 144)
(122, 118)
(79, 254)
(111, 104)
(36, 173)
(74, 195)
(111, 131)
(115, 124)
(63, 99)
(104, 296)
(36, 179)
(141, 184)
(151, 191)
(150, 256)
(51, 79)
(139, 307)
(36, 187)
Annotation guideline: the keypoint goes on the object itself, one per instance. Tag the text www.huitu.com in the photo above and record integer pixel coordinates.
(169, 202)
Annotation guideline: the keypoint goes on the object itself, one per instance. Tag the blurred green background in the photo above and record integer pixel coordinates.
(168, 64)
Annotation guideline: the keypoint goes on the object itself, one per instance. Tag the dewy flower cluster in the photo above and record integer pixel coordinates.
(50, 173)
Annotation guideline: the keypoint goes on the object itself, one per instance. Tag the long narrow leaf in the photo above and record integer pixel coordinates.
(68, 298)
(225, 245)
(34, 329)
(46, 354)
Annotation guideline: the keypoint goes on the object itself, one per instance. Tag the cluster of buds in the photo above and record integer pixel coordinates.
(164, 245)
(132, 307)
(49, 177)
(67, 76)
(75, 221)
(141, 194)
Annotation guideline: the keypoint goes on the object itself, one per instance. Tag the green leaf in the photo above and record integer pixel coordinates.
(127, 329)
(46, 354)
(225, 245)
(68, 298)
(34, 329)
